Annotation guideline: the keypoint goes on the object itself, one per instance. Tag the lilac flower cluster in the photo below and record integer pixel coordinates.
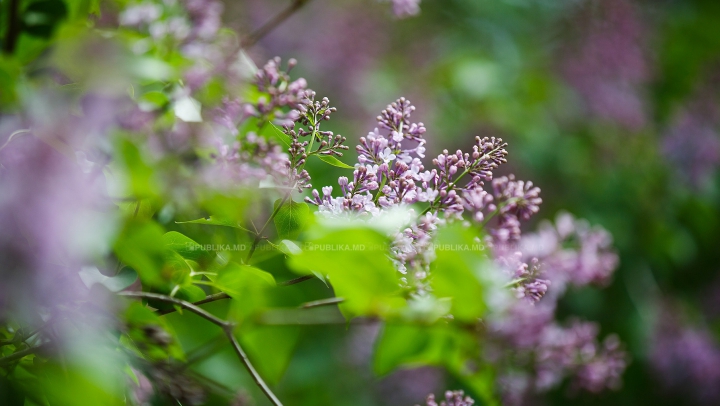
(452, 398)
(609, 65)
(528, 338)
(572, 252)
(390, 173)
(278, 92)
(686, 359)
(692, 142)
(254, 158)
(569, 252)
(246, 162)
(310, 114)
(194, 25)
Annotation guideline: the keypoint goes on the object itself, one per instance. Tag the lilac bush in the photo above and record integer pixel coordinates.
(191, 183)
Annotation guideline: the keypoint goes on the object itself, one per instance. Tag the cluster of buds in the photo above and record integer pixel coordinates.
(396, 118)
(280, 92)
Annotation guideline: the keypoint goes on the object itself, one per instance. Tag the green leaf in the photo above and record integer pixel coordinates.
(329, 159)
(291, 218)
(462, 272)
(140, 179)
(215, 221)
(236, 278)
(356, 262)
(406, 345)
(277, 134)
(289, 247)
(249, 287)
(40, 18)
(186, 247)
(140, 246)
(190, 293)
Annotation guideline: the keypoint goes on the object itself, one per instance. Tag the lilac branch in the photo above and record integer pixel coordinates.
(274, 22)
(227, 327)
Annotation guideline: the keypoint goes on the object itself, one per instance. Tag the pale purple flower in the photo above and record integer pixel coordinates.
(452, 398)
(686, 359)
(692, 142)
(608, 65)
(405, 8)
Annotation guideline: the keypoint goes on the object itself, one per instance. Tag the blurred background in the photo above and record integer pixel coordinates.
(609, 106)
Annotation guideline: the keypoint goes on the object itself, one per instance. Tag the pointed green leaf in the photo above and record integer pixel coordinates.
(291, 218)
(329, 159)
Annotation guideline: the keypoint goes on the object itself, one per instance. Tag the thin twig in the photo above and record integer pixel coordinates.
(187, 305)
(296, 280)
(278, 19)
(227, 327)
(223, 295)
(18, 355)
(246, 361)
(211, 298)
(322, 302)
(259, 236)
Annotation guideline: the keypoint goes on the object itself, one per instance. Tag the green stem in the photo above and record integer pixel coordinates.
(322, 302)
(20, 354)
(258, 237)
(296, 280)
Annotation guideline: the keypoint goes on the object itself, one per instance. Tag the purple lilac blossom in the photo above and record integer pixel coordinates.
(692, 141)
(405, 8)
(452, 398)
(278, 92)
(608, 65)
(572, 252)
(686, 359)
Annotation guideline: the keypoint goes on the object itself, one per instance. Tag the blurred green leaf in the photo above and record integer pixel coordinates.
(40, 18)
(187, 247)
(248, 286)
(356, 262)
(270, 348)
(461, 272)
(140, 175)
(291, 218)
(140, 246)
(150, 334)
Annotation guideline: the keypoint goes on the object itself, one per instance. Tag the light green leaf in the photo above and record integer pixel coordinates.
(250, 288)
(407, 345)
(277, 134)
(140, 246)
(356, 262)
(461, 272)
(289, 247)
(236, 278)
(329, 159)
(291, 218)
(186, 247)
